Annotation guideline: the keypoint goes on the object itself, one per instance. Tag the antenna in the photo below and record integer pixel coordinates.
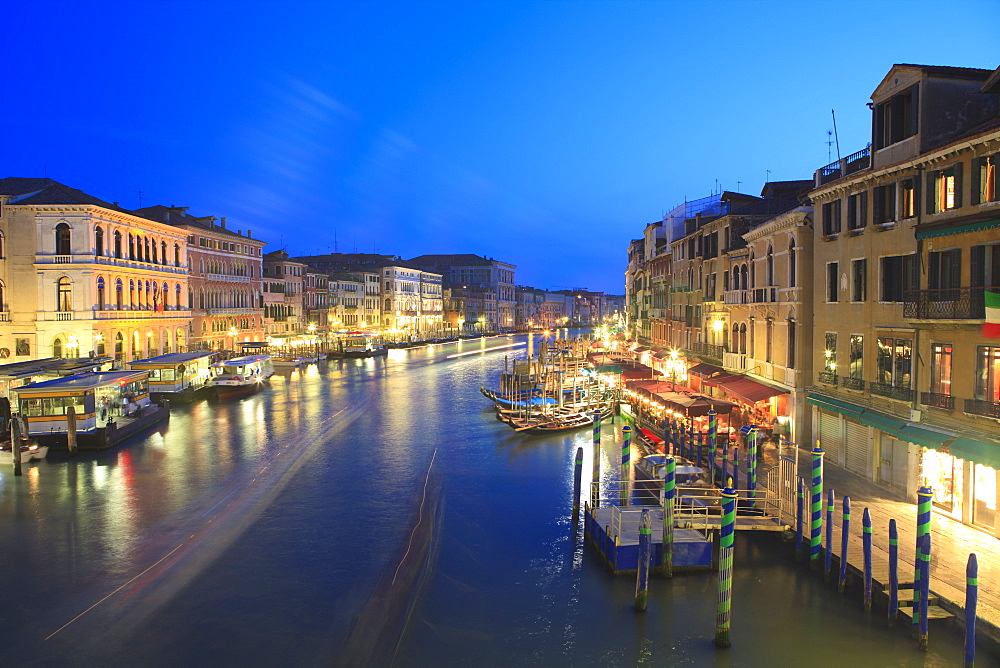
(767, 176)
(738, 185)
(140, 197)
(836, 139)
(335, 240)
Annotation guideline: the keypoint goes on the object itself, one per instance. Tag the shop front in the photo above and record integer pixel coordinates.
(963, 489)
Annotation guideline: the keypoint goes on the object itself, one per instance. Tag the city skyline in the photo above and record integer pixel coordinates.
(521, 131)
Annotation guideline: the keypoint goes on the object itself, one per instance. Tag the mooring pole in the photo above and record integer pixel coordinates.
(971, 601)
(71, 430)
(15, 445)
(697, 440)
(893, 573)
(595, 491)
(645, 552)
(799, 508)
(669, 493)
(925, 593)
(866, 525)
(924, 496)
(712, 442)
(736, 473)
(752, 447)
(724, 476)
(626, 470)
(828, 557)
(845, 534)
(817, 506)
(577, 483)
(723, 614)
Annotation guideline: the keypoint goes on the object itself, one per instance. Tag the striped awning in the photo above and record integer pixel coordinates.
(836, 405)
(974, 450)
(928, 438)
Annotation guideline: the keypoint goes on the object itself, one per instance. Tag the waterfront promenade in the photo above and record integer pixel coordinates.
(951, 542)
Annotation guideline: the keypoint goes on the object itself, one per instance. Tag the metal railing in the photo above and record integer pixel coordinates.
(937, 399)
(985, 408)
(828, 377)
(946, 304)
(709, 350)
(891, 391)
(853, 383)
(845, 166)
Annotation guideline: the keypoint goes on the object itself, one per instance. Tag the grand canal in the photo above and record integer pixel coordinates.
(255, 532)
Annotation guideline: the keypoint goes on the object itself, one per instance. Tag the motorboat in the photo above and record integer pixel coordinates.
(286, 361)
(29, 453)
(241, 375)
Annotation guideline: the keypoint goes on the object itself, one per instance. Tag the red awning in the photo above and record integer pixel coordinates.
(750, 390)
(705, 370)
(720, 381)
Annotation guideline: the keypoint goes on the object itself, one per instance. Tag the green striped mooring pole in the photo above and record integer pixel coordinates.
(669, 493)
(723, 615)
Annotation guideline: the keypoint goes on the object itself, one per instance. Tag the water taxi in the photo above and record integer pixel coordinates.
(286, 361)
(177, 376)
(109, 407)
(360, 345)
(241, 375)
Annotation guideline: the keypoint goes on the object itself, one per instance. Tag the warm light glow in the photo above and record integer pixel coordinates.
(717, 325)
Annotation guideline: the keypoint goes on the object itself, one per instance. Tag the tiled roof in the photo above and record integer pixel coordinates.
(949, 71)
(179, 217)
(457, 260)
(48, 191)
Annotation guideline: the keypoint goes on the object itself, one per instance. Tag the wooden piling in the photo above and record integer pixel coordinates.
(595, 490)
(845, 533)
(577, 482)
(71, 430)
(924, 496)
(828, 557)
(893, 573)
(15, 445)
(925, 593)
(866, 525)
(626, 470)
(799, 509)
(645, 553)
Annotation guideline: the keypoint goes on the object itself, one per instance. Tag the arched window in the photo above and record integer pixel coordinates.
(147, 304)
(744, 278)
(2, 256)
(743, 338)
(100, 293)
(3, 304)
(753, 272)
(135, 345)
(201, 299)
(119, 294)
(769, 267)
(163, 260)
(153, 248)
(62, 239)
(131, 247)
(118, 244)
(735, 347)
(64, 295)
(131, 295)
(99, 241)
(177, 255)
(769, 341)
(119, 346)
(99, 344)
(791, 263)
(790, 362)
(57, 348)
(145, 243)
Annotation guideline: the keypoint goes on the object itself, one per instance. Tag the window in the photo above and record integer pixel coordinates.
(941, 368)
(984, 267)
(769, 340)
(988, 374)
(896, 119)
(857, 363)
(943, 274)
(898, 276)
(792, 264)
(857, 211)
(884, 204)
(100, 294)
(177, 255)
(831, 217)
(831, 281)
(830, 353)
(62, 239)
(944, 189)
(985, 188)
(99, 241)
(64, 295)
(131, 247)
(859, 275)
(119, 294)
(790, 362)
(894, 361)
(908, 198)
(769, 266)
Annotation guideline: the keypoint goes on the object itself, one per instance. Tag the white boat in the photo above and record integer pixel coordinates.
(241, 375)
(28, 452)
(309, 358)
(286, 361)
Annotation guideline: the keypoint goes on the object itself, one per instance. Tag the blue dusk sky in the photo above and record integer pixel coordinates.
(545, 134)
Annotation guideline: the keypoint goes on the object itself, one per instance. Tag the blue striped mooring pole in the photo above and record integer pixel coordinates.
(925, 593)
(866, 525)
(816, 529)
(595, 477)
(893, 573)
(799, 511)
(669, 494)
(971, 601)
(723, 615)
(577, 481)
(845, 534)
(712, 437)
(924, 496)
(752, 446)
(626, 470)
(645, 553)
(828, 556)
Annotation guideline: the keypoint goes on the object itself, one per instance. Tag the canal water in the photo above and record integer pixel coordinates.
(363, 512)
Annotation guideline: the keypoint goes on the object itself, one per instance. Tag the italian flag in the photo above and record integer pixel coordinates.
(991, 328)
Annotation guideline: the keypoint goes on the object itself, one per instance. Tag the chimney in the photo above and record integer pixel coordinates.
(223, 222)
(239, 232)
(116, 204)
(248, 234)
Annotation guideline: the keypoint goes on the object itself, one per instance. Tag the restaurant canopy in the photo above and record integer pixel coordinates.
(705, 370)
(691, 405)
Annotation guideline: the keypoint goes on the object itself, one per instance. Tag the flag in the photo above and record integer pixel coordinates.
(991, 328)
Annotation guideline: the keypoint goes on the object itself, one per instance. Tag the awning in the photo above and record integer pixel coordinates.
(925, 437)
(641, 349)
(718, 381)
(958, 229)
(836, 405)
(705, 370)
(607, 368)
(750, 390)
(977, 451)
(882, 422)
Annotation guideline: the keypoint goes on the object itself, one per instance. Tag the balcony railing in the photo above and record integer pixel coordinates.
(937, 399)
(946, 304)
(709, 350)
(891, 391)
(64, 315)
(853, 383)
(845, 166)
(124, 314)
(767, 295)
(736, 296)
(4, 316)
(985, 408)
(828, 377)
(734, 361)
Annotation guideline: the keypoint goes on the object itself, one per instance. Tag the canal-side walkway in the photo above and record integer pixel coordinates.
(951, 542)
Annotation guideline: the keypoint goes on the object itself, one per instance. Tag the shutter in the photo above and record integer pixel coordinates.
(878, 195)
(955, 274)
(974, 181)
(931, 191)
(829, 436)
(958, 185)
(863, 218)
(857, 447)
(915, 109)
(933, 271)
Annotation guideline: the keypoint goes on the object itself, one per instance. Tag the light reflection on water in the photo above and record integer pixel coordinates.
(261, 526)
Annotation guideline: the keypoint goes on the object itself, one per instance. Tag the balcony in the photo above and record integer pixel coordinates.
(736, 296)
(828, 377)
(734, 361)
(709, 350)
(844, 167)
(142, 314)
(946, 304)
(4, 316)
(231, 311)
(853, 383)
(988, 409)
(64, 315)
(891, 391)
(766, 295)
(937, 400)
